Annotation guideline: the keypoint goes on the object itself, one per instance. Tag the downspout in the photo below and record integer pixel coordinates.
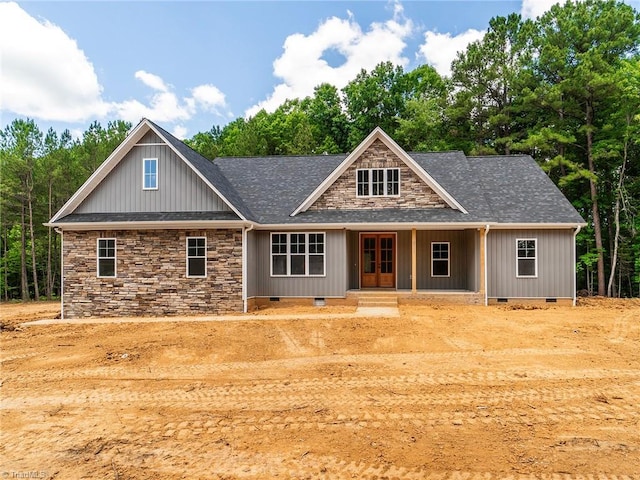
(573, 251)
(486, 263)
(59, 230)
(245, 230)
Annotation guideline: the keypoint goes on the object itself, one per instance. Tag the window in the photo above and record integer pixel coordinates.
(150, 174)
(196, 257)
(526, 258)
(106, 257)
(297, 254)
(440, 259)
(378, 182)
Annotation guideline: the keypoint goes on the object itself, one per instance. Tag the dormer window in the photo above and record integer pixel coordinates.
(378, 182)
(150, 174)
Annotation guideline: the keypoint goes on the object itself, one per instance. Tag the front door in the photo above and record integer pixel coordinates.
(377, 263)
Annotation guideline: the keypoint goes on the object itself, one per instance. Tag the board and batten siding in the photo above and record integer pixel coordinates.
(555, 267)
(252, 263)
(458, 260)
(333, 284)
(179, 187)
(465, 260)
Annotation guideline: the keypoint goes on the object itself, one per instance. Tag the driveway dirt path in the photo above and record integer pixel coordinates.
(439, 392)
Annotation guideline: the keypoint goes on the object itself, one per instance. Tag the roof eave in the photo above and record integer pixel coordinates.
(537, 226)
(148, 225)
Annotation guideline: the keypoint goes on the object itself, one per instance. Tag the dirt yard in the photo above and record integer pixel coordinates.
(444, 393)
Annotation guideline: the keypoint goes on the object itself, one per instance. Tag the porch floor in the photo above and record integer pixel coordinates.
(402, 296)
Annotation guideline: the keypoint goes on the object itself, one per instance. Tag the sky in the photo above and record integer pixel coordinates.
(191, 65)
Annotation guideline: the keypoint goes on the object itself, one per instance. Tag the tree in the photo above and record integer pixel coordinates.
(375, 99)
(579, 48)
(21, 142)
(488, 79)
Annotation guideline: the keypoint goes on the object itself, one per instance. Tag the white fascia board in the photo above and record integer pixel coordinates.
(103, 170)
(535, 226)
(200, 175)
(378, 134)
(363, 227)
(153, 225)
(418, 170)
(340, 169)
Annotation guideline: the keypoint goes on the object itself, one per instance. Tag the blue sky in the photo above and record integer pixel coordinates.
(191, 65)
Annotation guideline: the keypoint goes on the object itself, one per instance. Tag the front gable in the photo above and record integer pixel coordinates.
(117, 186)
(178, 189)
(403, 183)
(413, 192)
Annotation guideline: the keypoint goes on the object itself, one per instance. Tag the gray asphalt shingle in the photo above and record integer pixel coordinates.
(266, 190)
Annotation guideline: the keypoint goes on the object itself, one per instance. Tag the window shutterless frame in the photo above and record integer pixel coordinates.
(298, 254)
(149, 173)
(526, 258)
(196, 257)
(106, 258)
(377, 182)
(440, 259)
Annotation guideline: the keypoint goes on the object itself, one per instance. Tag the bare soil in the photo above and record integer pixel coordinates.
(442, 392)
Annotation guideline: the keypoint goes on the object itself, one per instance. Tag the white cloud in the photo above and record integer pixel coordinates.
(209, 97)
(180, 132)
(151, 80)
(440, 49)
(534, 8)
(302, 67)
(44, 73)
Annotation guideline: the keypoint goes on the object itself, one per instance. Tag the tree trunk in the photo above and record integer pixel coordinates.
(33, 240)
(597, 229)
(616, 211)
(24, 284)
(6, 269)
(49, 247)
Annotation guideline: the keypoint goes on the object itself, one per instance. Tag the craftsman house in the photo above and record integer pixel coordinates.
(160, 230)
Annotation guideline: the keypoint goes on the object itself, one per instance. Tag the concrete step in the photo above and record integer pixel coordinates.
(378, 301)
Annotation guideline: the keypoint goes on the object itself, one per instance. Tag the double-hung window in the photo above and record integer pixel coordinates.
(106, 257)
(149, 173)
(297, 254)
(378, 182)
(526, 258)
(196, 257)
(440, 259)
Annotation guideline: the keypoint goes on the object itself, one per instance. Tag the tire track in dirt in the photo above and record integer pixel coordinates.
(282, 397)
(183, 371)
(622, 326)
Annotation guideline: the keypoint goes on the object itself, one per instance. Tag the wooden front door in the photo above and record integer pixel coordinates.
(377, 260)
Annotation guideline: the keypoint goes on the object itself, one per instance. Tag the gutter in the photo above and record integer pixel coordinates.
(147, 225)
(573, 250)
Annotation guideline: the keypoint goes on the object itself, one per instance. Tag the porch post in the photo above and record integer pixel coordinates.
(414, 263)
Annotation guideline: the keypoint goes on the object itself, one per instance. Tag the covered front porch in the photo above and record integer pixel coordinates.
(417, 265)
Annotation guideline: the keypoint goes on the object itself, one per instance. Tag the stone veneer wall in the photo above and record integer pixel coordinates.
(414, 193)
(151, 274)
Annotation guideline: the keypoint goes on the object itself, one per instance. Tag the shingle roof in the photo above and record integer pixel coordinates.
(273, 187)
(210, 170)
(487, 187)
(518, 191)
(266, 190)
